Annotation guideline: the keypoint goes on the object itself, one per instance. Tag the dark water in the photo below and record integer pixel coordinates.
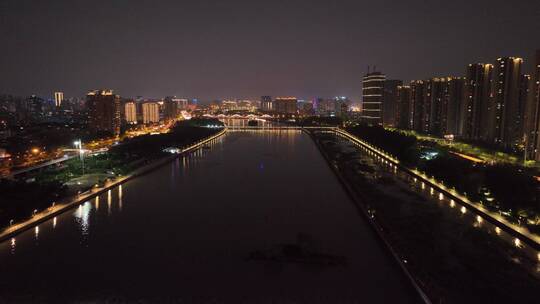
(257, 217)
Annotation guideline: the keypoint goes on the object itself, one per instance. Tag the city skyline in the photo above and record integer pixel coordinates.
(212, 51)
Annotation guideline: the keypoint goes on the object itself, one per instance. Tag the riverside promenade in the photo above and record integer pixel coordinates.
(520, 236)
(70, 202)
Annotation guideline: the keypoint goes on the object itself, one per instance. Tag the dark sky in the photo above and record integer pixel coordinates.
(229, 48)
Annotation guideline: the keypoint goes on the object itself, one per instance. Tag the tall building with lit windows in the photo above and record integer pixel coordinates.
(372, 98)
(130, 112)
(390, 101)
(477, 105)
(58, 98)
(506, 102)
(103, 112)
(150, 112)
(418, 105)
(532, 113)
(403, 114)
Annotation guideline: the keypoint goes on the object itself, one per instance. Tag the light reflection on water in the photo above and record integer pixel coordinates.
(82, 218)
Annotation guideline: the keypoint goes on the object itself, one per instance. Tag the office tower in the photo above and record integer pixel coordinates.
(452, 105)
(130, 112)
(150, 112)
(58, 98)
(532, 116)
(390, 101)
(103, 112)
(372, 98)
(505, 110)
(170, 108)
(403, 114)
(476, 108)
(286, 105)
(267, 105)
(418, 101)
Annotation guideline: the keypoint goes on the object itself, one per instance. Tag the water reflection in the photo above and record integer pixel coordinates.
(82, 218)
(12, 246)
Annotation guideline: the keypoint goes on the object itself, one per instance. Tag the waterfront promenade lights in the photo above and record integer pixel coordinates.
(78, 145)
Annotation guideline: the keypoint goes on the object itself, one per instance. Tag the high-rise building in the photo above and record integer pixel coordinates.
(505, 110)
(476, 107)
(150, 112)
(418, 105)
(103, 111)
(372, 98)
(267, 105)
(532, 117)
(452, 105)
(130, 111)
(58, 98)
(403, 114)
(170, 108)
(286, 105)
(390, 101)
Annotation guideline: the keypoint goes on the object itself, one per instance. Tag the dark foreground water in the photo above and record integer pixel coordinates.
(257, 217)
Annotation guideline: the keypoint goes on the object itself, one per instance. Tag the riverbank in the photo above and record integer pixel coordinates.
(68, 203)
(452, 256)
(522, 237)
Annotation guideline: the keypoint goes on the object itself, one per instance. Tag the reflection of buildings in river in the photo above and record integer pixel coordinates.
(82, 217)
(12, 246)
(120, 203)
(109, 202)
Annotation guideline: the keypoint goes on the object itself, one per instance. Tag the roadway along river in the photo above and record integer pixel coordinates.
(234, 223)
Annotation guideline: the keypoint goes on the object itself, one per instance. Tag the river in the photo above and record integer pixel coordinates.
(232, 223)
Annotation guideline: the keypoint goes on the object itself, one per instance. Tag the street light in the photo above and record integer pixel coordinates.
(78, 145)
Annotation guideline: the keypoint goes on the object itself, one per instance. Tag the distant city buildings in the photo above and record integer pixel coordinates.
(267, 105)
(372, 98)
(103, 112)
(496, 104)
(58, 98)
(150, 111)
(171, 108)
(130, 112)
(286, 105)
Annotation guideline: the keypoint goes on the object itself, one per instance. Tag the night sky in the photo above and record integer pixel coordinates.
(245, 49)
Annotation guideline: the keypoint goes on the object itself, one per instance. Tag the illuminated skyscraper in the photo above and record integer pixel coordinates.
(532, 117)
(506, 102)
(103, 111)
(477, 104)
(130, 110)
(372, 98)
(150, 112)
(58, 98)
